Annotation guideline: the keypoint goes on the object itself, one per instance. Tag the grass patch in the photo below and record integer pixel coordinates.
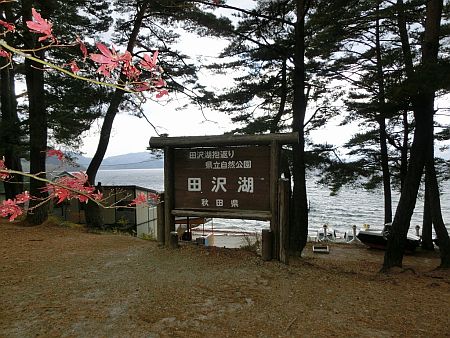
(251, 243)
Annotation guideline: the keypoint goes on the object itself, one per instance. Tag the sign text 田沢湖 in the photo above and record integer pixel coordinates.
(222, 178)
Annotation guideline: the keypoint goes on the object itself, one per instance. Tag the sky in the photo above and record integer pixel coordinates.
(131, 134)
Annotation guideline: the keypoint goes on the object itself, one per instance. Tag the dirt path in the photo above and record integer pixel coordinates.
(65, 282)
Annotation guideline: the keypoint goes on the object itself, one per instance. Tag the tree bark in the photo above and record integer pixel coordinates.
(406, 47)
(397, 237)
(438, 222)
(427, 223)
(423, 107)
(435, 206)
(34, 74)
(10, 132)
(404, 151)
(274, 126)
(382, 127)
(299, 225)
(92, 212)
(385, 170)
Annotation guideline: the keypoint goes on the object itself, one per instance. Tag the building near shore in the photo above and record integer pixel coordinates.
(118, 211)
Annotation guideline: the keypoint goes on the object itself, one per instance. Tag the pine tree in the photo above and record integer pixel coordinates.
(283, 47)
(150, 25)
(422, 98)
(44, 91)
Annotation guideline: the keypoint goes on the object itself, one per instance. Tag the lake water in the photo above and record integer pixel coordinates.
(349, 207)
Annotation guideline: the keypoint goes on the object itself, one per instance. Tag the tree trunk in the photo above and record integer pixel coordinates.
(382, 128)
(34, 74)
(404, 151)
(439, 226)
(435, 206)
(274, 125)
(38, 140)
(14, 184)
(423, 107)
(386, 173)
(92, 211)
(10, 132)
(409, 69)
(427, 223)
(299, 225)
(397, 237)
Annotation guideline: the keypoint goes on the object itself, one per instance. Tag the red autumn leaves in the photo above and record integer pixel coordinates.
(62, 189)
(40, 26)
(108, 59)
(11, 208)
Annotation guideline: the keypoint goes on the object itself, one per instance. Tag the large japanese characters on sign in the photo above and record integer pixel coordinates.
(220, 178)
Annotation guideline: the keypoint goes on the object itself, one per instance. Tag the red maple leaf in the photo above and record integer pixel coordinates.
(159, 83)
(161, 93)
(139, 200)
(149, 63)
(131, 72)
(154, 197)
(9, 26)
(98, 196)
(109, 59)
(4, 54)
(74, 67)
(11, 209)
(82, 48)
(41, 26)
(58, 153)
(3, 175)
(68, 187)
(23, 197)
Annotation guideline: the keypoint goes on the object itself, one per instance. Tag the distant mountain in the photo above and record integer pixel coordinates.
(53, 165)
(142, 160)
(82, 160)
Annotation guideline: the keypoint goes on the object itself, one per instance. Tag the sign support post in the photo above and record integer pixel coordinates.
(283, 218)
(169, 219)
(274, 175)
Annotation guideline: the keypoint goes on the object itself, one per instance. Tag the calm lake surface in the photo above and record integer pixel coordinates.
(349, 207)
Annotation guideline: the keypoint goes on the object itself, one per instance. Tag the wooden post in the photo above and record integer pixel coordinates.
(173, 242)
(283, 218)
(169, 219)
(274, 176)
(267, 242)
(160, 229)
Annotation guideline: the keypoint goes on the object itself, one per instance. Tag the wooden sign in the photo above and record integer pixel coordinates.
(222, 178)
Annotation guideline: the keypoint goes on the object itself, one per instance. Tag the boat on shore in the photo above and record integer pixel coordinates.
(376, 239)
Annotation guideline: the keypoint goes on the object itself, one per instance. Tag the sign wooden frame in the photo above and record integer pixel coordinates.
(174, 146)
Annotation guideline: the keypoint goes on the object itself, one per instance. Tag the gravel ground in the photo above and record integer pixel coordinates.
(60, 281)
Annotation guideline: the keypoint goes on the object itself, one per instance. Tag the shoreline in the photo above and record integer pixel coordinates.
(228, 240)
